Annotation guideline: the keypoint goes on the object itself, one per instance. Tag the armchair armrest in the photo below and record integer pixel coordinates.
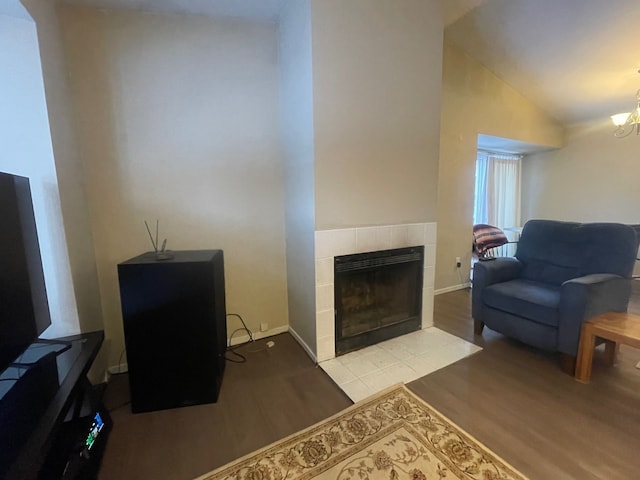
(586, 297)
(502, 269)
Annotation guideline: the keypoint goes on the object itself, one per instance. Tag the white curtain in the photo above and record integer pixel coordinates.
(480, 214)
(497, 200)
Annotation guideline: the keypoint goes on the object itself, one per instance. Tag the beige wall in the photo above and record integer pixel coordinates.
(474, 102)
(376, 86)
(27, 151)
(297, 139)
(179, 122)
(594, 178)
(361, 99)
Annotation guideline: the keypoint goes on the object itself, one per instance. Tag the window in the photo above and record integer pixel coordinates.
(497, 198)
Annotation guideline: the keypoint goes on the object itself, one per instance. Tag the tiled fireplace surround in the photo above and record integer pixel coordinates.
(331, 243)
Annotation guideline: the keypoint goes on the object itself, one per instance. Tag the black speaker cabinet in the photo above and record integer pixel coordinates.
(175, 328)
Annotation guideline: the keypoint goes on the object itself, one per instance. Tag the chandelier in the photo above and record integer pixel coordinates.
(629, 122)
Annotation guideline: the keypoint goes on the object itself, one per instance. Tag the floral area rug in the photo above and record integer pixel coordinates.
(392, 435)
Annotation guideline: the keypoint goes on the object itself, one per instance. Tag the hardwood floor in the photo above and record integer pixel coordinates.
(278, 391)
(511, 397)
(515, 400)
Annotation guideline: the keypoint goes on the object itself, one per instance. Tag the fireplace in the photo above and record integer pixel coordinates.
(329, 244)
(378, 296)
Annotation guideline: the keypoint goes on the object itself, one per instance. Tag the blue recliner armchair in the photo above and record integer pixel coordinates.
(563, 273)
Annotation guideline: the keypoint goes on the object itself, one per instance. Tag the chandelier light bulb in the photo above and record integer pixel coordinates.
(620, 119)
(627, 123)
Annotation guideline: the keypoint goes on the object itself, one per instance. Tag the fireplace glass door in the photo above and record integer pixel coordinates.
(378, 295)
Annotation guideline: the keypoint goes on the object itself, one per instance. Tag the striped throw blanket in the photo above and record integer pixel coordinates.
(486, 237)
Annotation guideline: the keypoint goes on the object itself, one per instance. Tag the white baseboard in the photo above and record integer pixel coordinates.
(124, 367)
(116, 369)
(452, 288)
(258, 335)
(302, 343)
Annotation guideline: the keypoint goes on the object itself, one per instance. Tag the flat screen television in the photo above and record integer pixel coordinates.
(24, 309)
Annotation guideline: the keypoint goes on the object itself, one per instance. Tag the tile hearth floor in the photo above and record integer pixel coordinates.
(401, 359)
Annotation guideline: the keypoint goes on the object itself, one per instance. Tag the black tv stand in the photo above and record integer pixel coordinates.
(31, 351)
(46, 440)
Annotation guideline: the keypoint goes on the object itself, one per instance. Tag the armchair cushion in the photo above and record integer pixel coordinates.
(528, 299)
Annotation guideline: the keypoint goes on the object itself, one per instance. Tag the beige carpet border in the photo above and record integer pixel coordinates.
(356, 406)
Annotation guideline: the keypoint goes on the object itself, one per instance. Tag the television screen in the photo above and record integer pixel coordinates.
(24, 310)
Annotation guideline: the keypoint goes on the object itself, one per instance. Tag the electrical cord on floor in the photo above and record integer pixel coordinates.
(231, 349)
(119, 372)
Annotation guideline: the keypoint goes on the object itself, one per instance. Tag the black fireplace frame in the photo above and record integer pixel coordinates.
(361, 262)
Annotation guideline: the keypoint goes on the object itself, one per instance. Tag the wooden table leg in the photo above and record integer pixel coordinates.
(610, 350)
(585, 354)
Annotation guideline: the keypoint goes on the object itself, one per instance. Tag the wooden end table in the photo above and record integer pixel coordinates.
(614, 328)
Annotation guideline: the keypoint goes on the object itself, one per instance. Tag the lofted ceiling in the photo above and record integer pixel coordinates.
(575, 59)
